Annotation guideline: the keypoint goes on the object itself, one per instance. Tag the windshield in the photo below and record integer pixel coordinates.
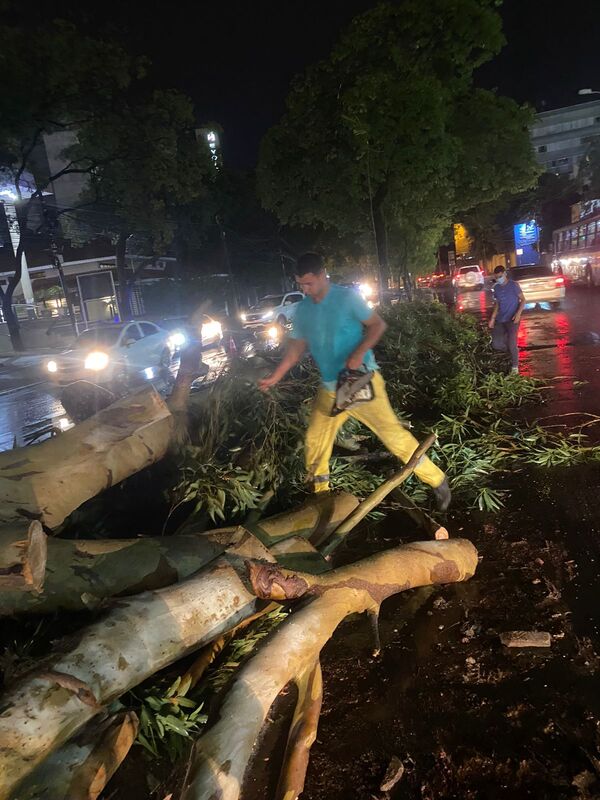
(269, 302)
(538, 271)
(100, 337)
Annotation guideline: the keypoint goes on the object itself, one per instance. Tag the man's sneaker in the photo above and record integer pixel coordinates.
(443, 495)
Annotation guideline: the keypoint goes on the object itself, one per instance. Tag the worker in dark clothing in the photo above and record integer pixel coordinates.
(509, 303)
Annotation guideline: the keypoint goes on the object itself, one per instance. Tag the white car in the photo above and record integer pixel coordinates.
(540, 284)
(469, 277)
(117, 353)
(278, 308)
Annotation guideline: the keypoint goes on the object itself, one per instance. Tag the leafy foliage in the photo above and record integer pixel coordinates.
(387, 135)
(168, 719)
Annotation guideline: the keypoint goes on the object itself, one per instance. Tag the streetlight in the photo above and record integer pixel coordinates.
(588, 91)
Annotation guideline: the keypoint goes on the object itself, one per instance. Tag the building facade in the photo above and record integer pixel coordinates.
(562, 137)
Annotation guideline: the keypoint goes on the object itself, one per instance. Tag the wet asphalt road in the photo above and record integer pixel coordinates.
(30, 405)
(562, 347)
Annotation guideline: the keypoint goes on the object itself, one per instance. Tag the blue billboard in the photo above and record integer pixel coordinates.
(527, 237)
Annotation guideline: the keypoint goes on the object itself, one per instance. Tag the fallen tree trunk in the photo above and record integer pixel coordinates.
(223, 754)
(22, 562)
(83, 572)
(82, 768)
(48, 481)
(138, 637)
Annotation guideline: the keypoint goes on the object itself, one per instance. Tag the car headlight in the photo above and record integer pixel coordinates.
(212, 330)
(365, 290)
(273, 333)
(176, 340)
(96, 360)
(52, 366)
(268, 315)
(243, 317)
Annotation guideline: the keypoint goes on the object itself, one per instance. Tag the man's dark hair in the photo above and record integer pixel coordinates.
(499, 269)
(309, 262)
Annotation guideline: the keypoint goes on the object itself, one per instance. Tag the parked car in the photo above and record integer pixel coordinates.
(116, 353)
(540, 284)
(470, 276)
(278, 308)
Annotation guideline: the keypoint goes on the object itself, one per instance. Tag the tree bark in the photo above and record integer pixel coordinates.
(22, 562)
(138, 637)
(302, 735)
(121, 264)
(223, 754)
(82, 768)
(81, 573)
(48, 481)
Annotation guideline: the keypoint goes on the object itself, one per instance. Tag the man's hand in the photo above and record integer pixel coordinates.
(517, 318)
(355, 361)
(265, 383)
(491, 323)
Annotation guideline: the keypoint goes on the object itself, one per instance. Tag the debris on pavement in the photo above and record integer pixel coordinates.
(393, 774)
(526, 639)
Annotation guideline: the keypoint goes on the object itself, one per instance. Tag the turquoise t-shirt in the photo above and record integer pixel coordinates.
(333, 329)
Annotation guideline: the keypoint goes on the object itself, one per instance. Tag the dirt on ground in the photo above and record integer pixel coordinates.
(466, 716)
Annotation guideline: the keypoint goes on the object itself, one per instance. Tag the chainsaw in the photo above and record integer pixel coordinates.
(354, 386)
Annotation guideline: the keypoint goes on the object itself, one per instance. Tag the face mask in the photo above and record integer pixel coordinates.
(501, 279)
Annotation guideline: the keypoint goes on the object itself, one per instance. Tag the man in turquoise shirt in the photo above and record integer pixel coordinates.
(339, 329)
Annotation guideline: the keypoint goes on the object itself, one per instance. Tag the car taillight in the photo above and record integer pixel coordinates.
(560, 281)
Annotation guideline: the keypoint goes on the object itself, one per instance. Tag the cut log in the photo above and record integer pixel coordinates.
(82, 573)
(22, 561)
(82, 768)
(48, 481)
(315, 519)
(138, 637)
(222, 755)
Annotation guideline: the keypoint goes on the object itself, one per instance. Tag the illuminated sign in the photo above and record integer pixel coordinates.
(527, 236)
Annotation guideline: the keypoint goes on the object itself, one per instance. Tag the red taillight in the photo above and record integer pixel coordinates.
(560, 281)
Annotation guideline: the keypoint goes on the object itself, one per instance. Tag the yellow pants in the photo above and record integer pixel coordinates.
(377, 415)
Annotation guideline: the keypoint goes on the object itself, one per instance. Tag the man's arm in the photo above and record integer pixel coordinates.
(517, 316)
(492, 321)
(294, 352)
(375, 328)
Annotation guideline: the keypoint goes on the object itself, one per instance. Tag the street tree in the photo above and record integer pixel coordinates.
(52, 80)
(388, 134)
(148, 166)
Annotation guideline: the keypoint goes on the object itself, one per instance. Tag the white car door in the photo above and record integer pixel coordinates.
(154, 342)
(291, 304)
(132, 346)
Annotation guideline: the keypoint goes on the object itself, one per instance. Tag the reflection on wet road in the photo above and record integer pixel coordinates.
(561, 346)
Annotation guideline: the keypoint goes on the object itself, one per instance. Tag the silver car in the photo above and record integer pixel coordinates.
(278, 308)
(540, 284)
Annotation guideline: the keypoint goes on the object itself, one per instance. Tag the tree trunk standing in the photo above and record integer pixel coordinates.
(12, 323)
(121, 263)
(381, 238)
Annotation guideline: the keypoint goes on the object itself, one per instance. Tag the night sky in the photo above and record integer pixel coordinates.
(236, 59)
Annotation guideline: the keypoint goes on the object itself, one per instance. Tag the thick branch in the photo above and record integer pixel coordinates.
(302, 735)
(137, 638)
(49, 480)
(223, 754)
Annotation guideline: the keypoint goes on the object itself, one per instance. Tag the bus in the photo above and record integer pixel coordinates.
(577, 251)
